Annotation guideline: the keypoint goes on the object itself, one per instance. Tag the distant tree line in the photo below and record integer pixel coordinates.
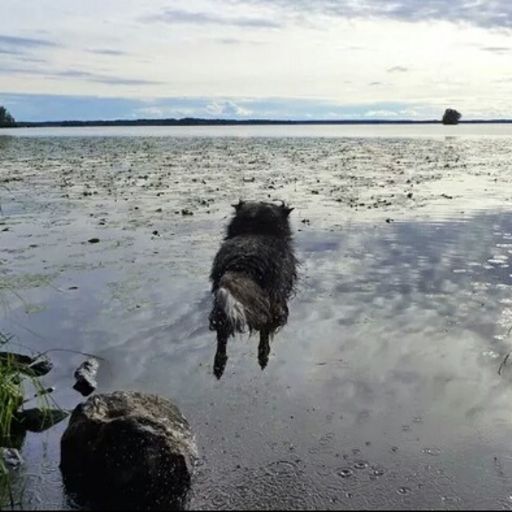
(6, 119)
(216, 122)
(451, 116)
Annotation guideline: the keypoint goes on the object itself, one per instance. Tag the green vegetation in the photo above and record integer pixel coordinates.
(11, 392)
(6, 120)
(18, 374)
(11, 397)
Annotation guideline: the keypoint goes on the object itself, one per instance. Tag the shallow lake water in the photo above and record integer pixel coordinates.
(382, 391)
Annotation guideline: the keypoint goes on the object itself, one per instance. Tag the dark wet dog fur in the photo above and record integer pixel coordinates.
(253, 276)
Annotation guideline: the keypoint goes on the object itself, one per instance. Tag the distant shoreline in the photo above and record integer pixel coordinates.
(244, 122)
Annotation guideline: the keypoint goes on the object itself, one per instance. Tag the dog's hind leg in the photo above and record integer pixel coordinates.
(263, 348)
(220, 360)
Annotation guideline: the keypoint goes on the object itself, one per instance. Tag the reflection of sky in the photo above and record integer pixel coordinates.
(415, 302)
(387, 367)
(393, 339)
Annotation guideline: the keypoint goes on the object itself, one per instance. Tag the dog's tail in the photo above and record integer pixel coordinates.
(240, 304)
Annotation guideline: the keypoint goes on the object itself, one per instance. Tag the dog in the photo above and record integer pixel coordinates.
(253, 276)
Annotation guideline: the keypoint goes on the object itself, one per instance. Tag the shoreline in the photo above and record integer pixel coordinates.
(235, 122)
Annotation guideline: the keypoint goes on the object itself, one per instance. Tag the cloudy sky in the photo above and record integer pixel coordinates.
(294, 59)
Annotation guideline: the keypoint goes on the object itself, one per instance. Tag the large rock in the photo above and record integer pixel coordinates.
(128, 450)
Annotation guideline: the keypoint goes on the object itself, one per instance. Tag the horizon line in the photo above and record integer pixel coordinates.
(191, 121)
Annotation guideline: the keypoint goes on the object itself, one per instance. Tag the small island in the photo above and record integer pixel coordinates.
(451, 116)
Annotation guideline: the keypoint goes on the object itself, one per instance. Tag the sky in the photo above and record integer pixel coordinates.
(255, 59)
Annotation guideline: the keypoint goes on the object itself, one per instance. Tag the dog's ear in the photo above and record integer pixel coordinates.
(239, 205)
(286, 210)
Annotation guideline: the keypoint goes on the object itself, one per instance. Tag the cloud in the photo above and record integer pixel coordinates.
(163, 111)
(496, 49)
(122, 81)
(8, 51)
(229, 40)
(74, 73)
(381, 114)
(236, 41)
(226, 108)
(26, 58)
(11, 45)
(107, 51)
(178, 16)
(24, 42)
(489, 14)
(397, 69)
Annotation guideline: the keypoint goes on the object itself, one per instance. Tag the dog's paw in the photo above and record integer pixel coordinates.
(263, 353)
(219, 364)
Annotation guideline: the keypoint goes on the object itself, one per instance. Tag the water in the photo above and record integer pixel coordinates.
(383, 389)
(279, 131)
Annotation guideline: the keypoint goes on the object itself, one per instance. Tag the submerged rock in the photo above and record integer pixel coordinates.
(41, 367)
(38, 419)
(128, 450)
(11, 457)
(31, 366)
(85, 376)
(12, 358)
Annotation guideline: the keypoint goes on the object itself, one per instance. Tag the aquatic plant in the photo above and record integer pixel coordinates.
(17, 372)
(11, 393)
(11, 397)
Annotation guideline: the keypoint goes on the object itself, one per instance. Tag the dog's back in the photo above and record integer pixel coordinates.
(253, 273)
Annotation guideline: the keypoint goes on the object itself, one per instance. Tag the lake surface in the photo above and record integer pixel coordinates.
(374, 130)
(382, 391)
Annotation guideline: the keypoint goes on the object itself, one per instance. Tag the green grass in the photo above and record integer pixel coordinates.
(11, 398)
(11, 392)
(13, 377)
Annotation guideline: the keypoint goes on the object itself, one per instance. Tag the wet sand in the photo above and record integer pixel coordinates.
(381, 392)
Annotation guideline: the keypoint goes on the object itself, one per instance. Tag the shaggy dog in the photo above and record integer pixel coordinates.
(253, 275)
